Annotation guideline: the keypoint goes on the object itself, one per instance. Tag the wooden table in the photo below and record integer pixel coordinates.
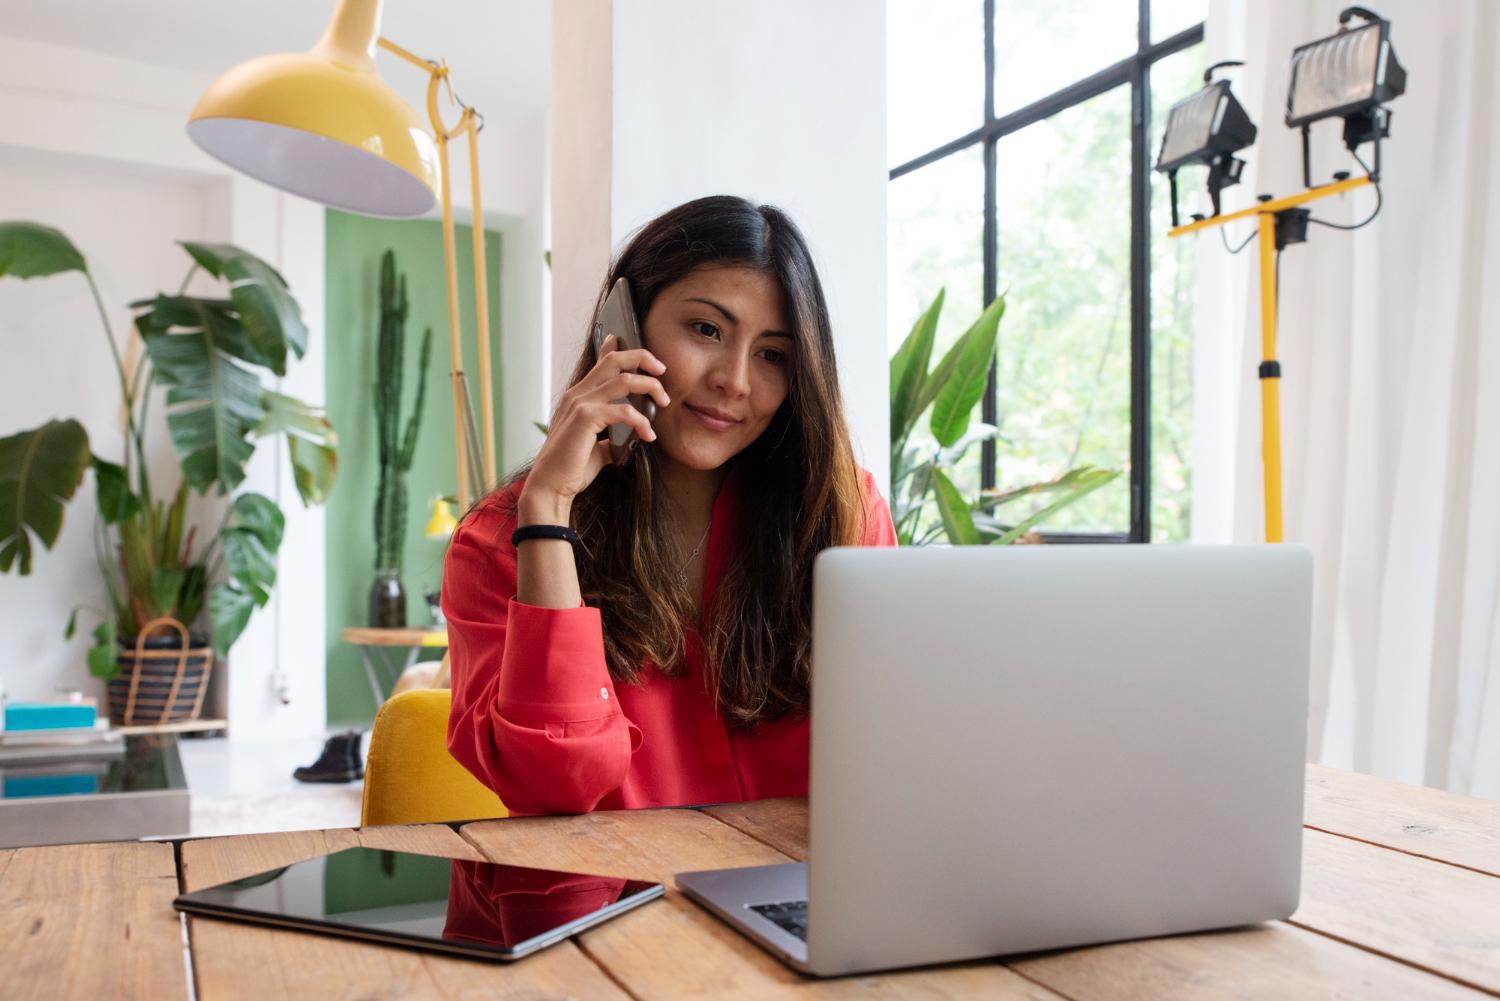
(1400, 902)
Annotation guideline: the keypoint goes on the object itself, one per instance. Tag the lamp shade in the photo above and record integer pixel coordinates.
(323, 125)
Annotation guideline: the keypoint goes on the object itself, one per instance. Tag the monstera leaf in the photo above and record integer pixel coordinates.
(213, 402)
(267, 312)
(40, 470)
(250, 541)
(31, 250)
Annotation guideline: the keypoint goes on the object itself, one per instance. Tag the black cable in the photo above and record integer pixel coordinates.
(1235, 250)
(1379, 202)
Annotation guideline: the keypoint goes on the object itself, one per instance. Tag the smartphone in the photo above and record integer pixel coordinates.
(618, 318)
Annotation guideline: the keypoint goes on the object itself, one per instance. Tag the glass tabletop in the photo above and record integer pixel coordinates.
(141, 763)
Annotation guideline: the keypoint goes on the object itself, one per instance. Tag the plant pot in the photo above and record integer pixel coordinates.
(163, 676)
(387, 601)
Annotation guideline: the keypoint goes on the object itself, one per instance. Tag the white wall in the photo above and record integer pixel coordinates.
(781, 102)
(95, 145)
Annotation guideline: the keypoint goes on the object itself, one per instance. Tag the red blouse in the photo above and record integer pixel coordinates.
(537, 718)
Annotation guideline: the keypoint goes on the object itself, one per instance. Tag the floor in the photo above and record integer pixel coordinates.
(246, 787)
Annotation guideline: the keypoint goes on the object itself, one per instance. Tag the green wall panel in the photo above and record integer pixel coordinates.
(354, 247)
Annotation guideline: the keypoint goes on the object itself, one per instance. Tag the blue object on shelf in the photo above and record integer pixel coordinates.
(27, 786)
(47, 715)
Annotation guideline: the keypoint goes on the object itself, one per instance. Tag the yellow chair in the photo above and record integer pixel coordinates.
(410, 778)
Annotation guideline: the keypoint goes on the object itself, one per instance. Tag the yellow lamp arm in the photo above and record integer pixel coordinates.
(469, 123)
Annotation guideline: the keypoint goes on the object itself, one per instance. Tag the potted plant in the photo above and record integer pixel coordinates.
(919, 483)
(397, 448)
(162, 578)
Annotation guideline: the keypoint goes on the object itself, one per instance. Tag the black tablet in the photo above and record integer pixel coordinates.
(423, 902)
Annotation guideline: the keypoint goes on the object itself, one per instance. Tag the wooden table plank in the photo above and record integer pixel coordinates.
(235, 960)
(780, 823)
(1250, 964)
(1427, 913)
(676, 949)
(1432, 823)
(90, 921)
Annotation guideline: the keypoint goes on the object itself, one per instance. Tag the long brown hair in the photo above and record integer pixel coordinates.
(798, 490)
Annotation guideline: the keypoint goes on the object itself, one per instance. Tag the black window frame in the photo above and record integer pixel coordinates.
(1134, 70)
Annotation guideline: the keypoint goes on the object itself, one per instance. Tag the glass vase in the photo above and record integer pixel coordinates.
(388, 601)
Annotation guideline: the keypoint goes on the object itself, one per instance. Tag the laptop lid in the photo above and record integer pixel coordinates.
(1022, 748)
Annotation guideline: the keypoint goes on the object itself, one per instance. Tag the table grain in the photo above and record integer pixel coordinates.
(1400, 902)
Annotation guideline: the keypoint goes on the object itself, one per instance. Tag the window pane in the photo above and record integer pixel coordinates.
(936, 238)
(1064, 244)
(934, 74)
(1168, 17)
(1044, 45)
(1174, 283)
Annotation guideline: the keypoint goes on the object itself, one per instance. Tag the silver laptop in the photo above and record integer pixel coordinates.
(1024, 748)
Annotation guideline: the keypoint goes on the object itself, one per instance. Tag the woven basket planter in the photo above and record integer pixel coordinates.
(162, 679)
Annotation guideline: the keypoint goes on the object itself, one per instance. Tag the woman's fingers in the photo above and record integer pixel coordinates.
(612, 362)
(628, 384)
(624, 413)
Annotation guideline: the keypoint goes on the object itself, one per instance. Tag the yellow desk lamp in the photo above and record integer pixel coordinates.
(323, 125)
(1346, 75)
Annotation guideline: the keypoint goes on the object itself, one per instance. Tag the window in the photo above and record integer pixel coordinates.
(1022, 135)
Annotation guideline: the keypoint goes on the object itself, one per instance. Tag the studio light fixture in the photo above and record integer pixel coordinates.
(1207, 128)
(1347, 75)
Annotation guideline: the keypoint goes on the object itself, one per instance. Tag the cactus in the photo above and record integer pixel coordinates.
(396, 449)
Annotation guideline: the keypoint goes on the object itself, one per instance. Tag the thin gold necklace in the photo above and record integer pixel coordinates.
(682, 572)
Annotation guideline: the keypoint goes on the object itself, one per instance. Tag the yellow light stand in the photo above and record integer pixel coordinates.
(1270, 369)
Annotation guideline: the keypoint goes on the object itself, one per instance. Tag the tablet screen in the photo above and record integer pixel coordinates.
(454, 905)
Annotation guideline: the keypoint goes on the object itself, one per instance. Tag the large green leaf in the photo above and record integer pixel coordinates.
(260, 515)
(965, 376)
(31, 250)
(958, 519)
(252, 567)
(909, 371)
(229, 609)
(311, 443)
(112, 484)
(267, 311)
(40, 470)
(213, 403)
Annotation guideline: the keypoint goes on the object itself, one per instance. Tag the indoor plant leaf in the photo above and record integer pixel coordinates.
(314, 468)
(958, 522)
(40, 470)
(267, 311)
(311, 442)
(229, 608)
(104, 655)
(260, 515)
(969, 370)
(116, 502)
(1086, 482)
(909, 371)
(212, 402)
(252, 567)
(31, 250)
(166, 586)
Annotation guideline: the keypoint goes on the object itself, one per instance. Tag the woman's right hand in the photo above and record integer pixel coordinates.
(573, 453)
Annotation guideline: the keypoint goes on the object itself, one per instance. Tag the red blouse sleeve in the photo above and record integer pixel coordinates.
(880, 530)
(534, 713)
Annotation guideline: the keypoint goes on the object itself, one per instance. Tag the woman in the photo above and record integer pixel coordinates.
(663, 658)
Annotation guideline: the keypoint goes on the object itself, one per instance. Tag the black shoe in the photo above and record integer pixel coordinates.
(339, 762)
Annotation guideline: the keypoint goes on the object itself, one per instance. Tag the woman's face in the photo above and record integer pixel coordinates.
(723, 335)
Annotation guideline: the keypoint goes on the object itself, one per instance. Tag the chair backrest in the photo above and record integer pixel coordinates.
(410, 778)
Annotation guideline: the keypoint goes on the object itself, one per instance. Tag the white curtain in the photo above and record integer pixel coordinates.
(1390, 352)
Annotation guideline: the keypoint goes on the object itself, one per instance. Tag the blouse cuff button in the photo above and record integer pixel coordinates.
(604, 693)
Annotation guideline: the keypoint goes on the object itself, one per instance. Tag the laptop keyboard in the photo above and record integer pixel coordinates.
(789, 915)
